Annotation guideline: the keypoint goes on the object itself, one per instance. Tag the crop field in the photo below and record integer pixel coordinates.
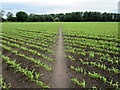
(92, 53)
(60, 55)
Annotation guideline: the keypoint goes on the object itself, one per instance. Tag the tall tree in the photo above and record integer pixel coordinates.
(104, 17)
(85, 16)
(109, 17)
(9, 16)
(33, 17)
(118, 17)
(56, 19)
(2, 12)
(22, 16)
(67, 17)
(96, 16)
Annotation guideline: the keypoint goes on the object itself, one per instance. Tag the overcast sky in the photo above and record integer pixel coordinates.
(59, 6)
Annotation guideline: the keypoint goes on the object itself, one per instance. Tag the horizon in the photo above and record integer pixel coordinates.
(59, 6)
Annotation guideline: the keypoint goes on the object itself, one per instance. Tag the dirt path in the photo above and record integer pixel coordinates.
(60, 76)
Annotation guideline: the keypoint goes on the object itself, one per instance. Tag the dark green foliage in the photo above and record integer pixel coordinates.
(21, 16)
(56, 19)
(67, 17)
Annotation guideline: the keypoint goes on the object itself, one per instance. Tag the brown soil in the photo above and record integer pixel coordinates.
(17, 80)
(60, 77)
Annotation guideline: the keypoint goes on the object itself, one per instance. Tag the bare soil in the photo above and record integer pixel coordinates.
(60, 74)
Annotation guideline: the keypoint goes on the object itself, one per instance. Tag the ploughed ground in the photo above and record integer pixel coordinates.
(60, 76)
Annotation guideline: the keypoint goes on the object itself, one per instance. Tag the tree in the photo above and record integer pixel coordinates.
(56, 19)
(48, 18)
(32, 17)
(81, 16)
(104, 17)
(76, 16)
(85, 16)
(96, 16)
(22, 16)
(61, 16)
(67, 17)
(118, 17)
(10, 16)
(109, 16)
(2, 12)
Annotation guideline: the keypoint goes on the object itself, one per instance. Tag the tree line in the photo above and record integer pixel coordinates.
(86, 16)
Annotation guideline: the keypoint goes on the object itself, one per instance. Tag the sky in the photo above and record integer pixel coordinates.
(58, 6)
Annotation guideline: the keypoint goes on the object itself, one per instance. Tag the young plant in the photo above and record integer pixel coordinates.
(4, 85)
(75, 80)
(37, 76)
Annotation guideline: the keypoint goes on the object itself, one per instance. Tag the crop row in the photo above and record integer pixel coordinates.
(99, 43)
(3, 84)
(27, 44)
(112, 49)
(116, 39)
(33, 76)
(92, 54)
(38, 37)
(38, 62)
(29, 50)
(41, 42)
(95, 75)
(95, 64)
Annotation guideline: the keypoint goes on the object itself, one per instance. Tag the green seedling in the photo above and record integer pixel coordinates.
(37, 76)
(83, 84)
